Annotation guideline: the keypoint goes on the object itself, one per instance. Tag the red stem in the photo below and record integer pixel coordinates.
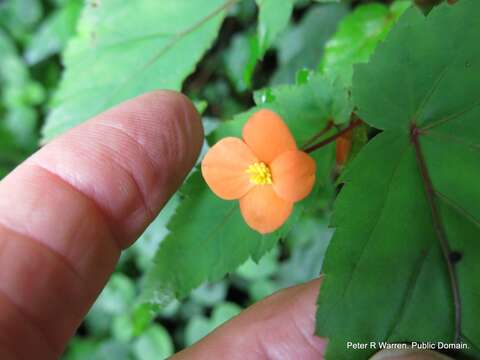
(332, 138)
(319, 134)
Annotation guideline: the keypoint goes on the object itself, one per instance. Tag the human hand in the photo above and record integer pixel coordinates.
(68, 211)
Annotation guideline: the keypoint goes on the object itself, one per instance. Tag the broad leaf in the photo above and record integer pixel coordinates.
(208, 236)
(273, 18)
(124, 49)
(357, 36)
(410, 193)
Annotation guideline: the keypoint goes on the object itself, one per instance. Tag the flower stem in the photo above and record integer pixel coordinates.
(332, 138)
(319, 134)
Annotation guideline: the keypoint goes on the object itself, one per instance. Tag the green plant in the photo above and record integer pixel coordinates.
(400, 78)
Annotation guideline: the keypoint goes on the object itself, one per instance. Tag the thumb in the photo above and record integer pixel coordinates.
(409, 354)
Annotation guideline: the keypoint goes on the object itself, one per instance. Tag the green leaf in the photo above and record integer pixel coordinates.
(357, 37)
(53, 34)
(427, 5)
(208, 239)
(6, 45)
(210, 294)
(118, 295)
(262, 269)
(208, 236)
(80, 349)
(302, 45)
(200, 326)
(144, 248)
(111, 349)
(19, 17)
(312, 237)
(273, 18)
(240, 61)
(154, 344)
(18, 94)
(126, 49)
(122, 328)
(261, 288)
(408, 192)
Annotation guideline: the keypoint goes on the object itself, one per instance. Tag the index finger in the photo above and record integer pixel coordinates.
(68, 211)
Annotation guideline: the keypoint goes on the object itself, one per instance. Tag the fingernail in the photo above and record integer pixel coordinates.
(409, 354)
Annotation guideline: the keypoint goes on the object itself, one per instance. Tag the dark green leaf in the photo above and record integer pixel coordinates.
(386, 276)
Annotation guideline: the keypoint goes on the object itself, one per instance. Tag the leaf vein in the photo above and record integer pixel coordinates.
(458, 208)
(168, 46)
(409, 293)
(455, 139)
(452, 116)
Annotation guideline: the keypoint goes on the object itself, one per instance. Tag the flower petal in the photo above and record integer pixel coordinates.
(293, 175)
(224, 168)
(267, 135)
(263, 210)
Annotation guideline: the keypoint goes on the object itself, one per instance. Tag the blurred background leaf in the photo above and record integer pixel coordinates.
(273, 17)
(303, 44)
(357, 37)
(168, 38)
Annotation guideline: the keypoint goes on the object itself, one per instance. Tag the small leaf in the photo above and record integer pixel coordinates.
(154, 344)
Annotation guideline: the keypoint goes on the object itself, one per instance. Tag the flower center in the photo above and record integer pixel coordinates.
(259, 173)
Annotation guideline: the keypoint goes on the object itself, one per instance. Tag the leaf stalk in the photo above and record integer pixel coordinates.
(415, 132)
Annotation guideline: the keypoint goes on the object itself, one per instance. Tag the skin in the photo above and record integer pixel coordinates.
(68, 211)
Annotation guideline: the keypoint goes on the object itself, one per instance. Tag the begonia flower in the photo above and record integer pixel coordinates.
(265, 171)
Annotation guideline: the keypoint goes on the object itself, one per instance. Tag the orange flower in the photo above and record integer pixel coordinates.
(265, 171)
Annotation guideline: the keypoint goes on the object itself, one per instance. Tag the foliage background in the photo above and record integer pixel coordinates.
(254, 51)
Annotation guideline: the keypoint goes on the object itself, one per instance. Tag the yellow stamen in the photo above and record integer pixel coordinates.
(259, 173)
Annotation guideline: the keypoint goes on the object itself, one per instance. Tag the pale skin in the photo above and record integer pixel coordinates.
(68, 211)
